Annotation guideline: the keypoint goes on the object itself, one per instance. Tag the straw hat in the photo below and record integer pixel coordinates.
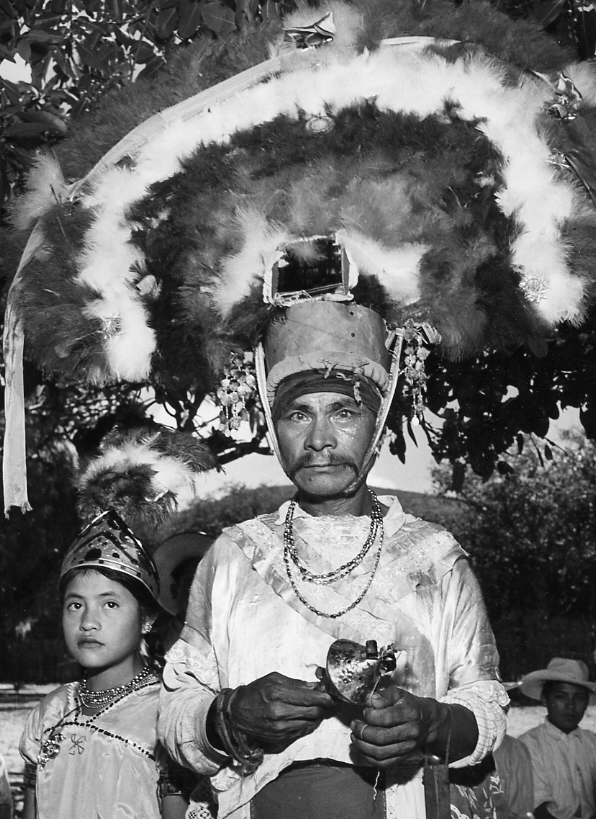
(170, 554)
(560, 669)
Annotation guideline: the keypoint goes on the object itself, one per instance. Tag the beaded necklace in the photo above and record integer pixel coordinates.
(50, 747)
(326, 578)
(99, 699)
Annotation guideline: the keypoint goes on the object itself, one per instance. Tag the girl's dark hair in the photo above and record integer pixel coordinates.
(149, 607)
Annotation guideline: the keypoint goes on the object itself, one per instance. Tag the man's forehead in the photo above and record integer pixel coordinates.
(559, 687)
(323, 400)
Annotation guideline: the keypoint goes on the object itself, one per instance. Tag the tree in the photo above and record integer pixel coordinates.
(531, 532)
(78, 51)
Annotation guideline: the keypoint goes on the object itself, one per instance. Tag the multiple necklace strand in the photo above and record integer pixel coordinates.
(50, 746)
(101, 699)
(326, 578)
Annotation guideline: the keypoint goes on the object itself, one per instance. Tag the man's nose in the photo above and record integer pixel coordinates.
(321, 434)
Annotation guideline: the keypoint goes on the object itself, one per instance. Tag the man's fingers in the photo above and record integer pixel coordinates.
(302, 696)
(373, 735)
(283, 711)
(386, 697)
(287, 731)
(403, 712)
(413, 760)
(398, 751)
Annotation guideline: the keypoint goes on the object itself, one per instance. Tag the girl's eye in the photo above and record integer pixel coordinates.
(73, 606)
(111, 604)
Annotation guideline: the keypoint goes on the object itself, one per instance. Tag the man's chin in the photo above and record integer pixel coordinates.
(339, 482)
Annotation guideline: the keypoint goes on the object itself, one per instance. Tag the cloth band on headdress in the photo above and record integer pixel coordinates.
(357, 386)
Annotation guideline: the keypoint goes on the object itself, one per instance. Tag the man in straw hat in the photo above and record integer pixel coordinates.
(177, 558)
(563, 754)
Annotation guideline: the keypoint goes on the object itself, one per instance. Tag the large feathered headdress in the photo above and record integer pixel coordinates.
(445, 148)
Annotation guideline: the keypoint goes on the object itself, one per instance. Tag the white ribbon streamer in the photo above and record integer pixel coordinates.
(14, 464)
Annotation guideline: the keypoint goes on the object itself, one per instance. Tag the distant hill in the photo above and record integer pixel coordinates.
(242, 504)
(435, 508)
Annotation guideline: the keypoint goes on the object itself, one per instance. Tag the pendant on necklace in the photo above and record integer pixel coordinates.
(50, 748)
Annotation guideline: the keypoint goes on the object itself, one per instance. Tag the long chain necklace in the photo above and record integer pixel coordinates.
(376, 522)
(290, 554)
(100, 699)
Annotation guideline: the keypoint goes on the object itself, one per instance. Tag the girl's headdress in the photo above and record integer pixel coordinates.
(430, 162)
(108, 543)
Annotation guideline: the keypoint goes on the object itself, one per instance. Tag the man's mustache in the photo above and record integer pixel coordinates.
(308, 461)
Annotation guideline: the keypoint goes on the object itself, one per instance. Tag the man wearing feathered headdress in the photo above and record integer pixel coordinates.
(241, 700)
(350, 202)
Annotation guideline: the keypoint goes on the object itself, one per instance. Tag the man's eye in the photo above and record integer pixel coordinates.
(296, 416)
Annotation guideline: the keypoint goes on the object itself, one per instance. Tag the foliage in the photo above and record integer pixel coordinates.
(572, 22)
(78, 50)
(534, 526)
(487, 404)
(28, 586)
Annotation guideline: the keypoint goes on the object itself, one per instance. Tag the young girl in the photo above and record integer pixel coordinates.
(91, 748)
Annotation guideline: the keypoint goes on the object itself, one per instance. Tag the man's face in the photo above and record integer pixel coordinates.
(566, 705)
(323, 439)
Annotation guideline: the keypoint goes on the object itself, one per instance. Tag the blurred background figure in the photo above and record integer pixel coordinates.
(177, 558)
(5, 794)
(563, 754)
(514, 792)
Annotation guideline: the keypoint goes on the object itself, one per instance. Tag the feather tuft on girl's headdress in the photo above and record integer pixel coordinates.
(145, 476)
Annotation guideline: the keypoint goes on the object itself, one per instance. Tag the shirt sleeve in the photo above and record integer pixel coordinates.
(191, 677)
(30, 743)
(541, 774)
(473, 663)
(173, 778)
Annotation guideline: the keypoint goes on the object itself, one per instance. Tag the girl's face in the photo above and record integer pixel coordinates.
(102, 622)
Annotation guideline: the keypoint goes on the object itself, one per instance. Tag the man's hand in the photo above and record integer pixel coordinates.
(394, 729)
(398, 728)
(276, 710)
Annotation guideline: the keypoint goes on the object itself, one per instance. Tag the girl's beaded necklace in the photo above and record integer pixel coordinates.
(100, 699)
(50, 747)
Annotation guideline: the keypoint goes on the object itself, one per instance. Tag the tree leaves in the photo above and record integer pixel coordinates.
(87, 48)
(219, 18)
(190, 19)
(166, 22)
(534, 520)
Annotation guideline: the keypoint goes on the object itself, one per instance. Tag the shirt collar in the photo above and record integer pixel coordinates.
(393, 520)
(557, 734)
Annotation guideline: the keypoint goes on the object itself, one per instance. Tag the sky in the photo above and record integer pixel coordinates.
(388, 472)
